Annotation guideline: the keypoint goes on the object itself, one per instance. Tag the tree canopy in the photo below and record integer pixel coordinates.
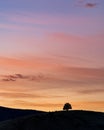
(67, 106)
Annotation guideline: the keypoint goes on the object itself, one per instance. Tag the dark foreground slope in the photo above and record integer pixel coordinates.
(9, 113)
(72, 120)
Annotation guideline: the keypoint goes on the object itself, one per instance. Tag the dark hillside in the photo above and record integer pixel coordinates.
(71, 120)
(9, 113)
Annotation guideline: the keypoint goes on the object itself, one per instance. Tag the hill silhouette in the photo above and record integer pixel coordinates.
(10, 113)
(59, 120)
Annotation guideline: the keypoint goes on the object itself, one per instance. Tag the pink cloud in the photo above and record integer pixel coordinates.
(60, 37)
(28, 64)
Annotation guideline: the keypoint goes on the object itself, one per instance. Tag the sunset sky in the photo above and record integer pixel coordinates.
(52, 52)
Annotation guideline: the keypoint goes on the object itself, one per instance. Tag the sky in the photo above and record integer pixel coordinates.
(52, 52)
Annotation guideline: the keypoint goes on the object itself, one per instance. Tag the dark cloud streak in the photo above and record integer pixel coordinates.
(15, 77)
(91, 91)
(83, 3)
(90, 5)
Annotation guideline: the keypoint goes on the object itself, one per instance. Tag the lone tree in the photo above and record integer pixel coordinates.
(67, 106)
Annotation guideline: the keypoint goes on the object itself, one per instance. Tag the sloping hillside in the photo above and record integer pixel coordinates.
(9, 113)
(72, 120)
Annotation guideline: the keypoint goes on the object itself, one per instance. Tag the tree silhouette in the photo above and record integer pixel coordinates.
(67, 106)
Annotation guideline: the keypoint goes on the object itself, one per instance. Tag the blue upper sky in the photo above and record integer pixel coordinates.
(52, 6)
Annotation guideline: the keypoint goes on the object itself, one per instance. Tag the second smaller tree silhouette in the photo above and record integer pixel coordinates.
(67, 106)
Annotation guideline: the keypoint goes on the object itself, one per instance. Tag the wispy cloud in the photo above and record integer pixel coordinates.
(9, 79)
(25, 95)
(91, 91)
(82, 76)
(83, 71)
(31, 22)
(20, 95)
(31, 104)
(83, 3)
(62, 75)
(90, 5)
(27, 62)
(15, 77)
(39, 19)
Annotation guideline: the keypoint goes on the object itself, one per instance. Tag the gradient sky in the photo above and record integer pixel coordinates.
(52, 52)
